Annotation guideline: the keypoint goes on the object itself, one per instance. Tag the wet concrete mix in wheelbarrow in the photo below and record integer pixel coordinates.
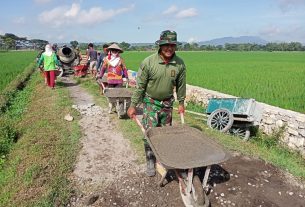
(118, 92)
(108, 173)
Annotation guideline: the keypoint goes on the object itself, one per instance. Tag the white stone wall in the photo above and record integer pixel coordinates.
(273, 117)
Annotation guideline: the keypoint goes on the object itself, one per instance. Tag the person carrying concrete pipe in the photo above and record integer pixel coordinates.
(157, 77)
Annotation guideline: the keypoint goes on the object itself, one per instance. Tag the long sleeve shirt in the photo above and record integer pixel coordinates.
(157, 79)
(49, 62)
(116, 73)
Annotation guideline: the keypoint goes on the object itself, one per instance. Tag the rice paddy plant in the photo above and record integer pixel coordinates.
(12, 64)
(275, 78)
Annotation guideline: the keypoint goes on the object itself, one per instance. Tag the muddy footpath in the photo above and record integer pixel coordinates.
(108, 173)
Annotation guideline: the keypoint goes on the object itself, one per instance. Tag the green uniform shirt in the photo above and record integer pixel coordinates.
(157, 79)
(49, 62)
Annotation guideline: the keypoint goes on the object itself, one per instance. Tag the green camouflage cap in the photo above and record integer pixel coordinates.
(167, 37)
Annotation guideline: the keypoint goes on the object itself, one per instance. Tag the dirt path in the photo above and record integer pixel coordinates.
(107, 173)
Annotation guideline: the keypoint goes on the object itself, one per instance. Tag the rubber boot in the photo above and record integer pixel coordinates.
(150, 160)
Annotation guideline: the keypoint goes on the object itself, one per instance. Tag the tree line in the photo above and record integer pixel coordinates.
(10, 41)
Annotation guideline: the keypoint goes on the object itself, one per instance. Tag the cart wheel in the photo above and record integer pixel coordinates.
(198, 194)
(243, 132)
(221, 119)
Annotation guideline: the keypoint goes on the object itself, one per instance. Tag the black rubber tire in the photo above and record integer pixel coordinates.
(199, 196)
(221, 119)
(243, 132)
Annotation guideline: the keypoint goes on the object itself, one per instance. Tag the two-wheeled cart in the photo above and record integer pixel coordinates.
(185, 150)
(234, 115)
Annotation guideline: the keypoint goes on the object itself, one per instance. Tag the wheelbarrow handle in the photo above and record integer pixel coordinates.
(182, 118)
(139, 124)
(142, 128)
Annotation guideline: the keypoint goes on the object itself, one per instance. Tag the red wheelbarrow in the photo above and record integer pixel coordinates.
(80, 70)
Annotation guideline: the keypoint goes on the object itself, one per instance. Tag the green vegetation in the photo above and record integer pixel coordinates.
(276, 78)
(12, 64)
(43, 157)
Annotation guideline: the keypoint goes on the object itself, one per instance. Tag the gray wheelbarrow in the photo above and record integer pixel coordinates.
(184, 149)
(120, 98)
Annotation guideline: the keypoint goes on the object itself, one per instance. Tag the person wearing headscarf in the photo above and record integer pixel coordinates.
(115, 66)
(49, 61)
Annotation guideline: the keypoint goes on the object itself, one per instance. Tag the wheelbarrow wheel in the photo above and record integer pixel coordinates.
(243, 132)
(197, 196)
(220, 119)
(59, 72)
(200, 199)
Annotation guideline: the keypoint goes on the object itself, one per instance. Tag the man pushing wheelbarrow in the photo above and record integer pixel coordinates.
(157, 77)
(181, 149)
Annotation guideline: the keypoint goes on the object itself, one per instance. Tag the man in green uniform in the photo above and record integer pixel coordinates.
(158, 76)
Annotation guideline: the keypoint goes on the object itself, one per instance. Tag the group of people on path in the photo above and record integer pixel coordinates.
(157, 78)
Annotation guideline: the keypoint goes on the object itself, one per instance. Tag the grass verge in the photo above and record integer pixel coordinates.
(37, 168)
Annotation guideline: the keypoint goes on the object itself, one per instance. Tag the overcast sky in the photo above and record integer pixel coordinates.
(143, 20)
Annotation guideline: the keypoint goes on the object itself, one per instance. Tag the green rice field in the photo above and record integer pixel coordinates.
(276, 78)
(12, 63)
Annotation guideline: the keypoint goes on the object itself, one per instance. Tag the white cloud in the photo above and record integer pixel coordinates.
(170, 10)
(293, 33)
(64, 15)
(186, 13)
(75, 8)
(192, 40)
(100, 15)
(191, 12)
(19, 20)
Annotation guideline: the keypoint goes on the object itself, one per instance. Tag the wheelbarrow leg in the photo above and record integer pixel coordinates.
(125, 106)
(189, 180)
(163, 172)
(205, 179)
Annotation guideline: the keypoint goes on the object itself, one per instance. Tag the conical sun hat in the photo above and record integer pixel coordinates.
(115, 47)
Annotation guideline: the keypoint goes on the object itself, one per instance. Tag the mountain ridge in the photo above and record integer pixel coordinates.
(235, 40)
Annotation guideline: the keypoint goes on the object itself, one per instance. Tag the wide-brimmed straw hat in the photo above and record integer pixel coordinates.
(114, 46)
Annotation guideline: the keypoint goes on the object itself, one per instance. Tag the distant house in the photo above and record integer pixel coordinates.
(24, 44)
